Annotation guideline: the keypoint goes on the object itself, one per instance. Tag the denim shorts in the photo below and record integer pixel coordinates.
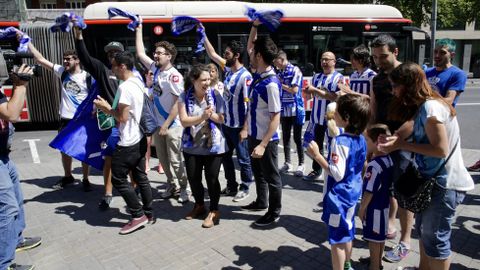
(434, 225)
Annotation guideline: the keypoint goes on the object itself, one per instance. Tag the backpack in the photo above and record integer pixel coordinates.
(149, 122)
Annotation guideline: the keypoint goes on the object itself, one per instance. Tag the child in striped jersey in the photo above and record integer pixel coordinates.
(375, 203)
(344, 182)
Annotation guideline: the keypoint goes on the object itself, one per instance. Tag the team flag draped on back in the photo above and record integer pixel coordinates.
(11, 32)
(136, 20)
(183, 24)
(81, 138)
(65, 22)
(270, 18)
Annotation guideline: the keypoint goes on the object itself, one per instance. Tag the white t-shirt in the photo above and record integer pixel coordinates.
(131, 94)
(457, 177)
(168, 84)
(74, 91)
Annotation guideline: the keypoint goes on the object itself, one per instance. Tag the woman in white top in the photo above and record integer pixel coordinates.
(435, 134)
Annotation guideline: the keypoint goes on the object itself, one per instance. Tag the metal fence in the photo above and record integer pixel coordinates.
(44, 91)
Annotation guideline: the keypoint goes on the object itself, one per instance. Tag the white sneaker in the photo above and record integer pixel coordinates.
(241, 195)
(286, 168)
(170, 191)
(300, 170)
(184, 196)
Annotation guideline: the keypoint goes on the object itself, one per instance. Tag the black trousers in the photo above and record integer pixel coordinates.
(287, 124)
(319, 138)
(267, 177)
(195, 164)
(124, 160)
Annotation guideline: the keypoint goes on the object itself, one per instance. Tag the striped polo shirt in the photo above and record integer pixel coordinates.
(362, 83)
(235, 94)
(328, 82)
(290, 76)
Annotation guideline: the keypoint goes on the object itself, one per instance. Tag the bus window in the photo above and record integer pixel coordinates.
(338, 43)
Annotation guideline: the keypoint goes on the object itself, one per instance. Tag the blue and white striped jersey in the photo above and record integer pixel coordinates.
(235, 95)
(264, 100)
(322, 81)
(362, 83)
(290, 76)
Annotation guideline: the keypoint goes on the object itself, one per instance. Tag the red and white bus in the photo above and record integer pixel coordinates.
(307, 30)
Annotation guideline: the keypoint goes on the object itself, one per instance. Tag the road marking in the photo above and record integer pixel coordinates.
(33, 149)
(468, 104)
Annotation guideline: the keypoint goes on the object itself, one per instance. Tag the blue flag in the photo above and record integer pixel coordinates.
(270, 18)
(183, 24)
(136, 20)
(11, 32)
(65, 21)
(81, 138)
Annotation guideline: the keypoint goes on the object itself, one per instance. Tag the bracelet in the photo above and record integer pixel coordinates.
(254, 25)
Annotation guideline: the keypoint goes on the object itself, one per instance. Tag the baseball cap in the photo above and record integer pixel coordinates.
(114, 45)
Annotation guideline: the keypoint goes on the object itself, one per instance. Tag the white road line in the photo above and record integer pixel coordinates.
(33, 149)
(468, 104)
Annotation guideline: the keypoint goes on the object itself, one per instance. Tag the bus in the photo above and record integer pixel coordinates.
(306, 31)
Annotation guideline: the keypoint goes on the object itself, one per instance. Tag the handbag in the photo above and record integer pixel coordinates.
(413, 191)
(104, 120)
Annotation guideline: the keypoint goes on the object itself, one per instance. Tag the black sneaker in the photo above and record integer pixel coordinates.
(266, 220)
(62, 183)
(151, 219)
(253, 206)
(15, 266)
(29, 243)
(105, 202)
(228, 192)
(86, 185)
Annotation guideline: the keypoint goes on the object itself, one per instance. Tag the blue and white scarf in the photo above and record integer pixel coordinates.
(65, 22)
(216, 134)
(136, 20)
(270, 18)
(183, 24)
(11, 32)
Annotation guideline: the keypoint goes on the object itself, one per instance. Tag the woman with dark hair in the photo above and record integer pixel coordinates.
(435, 137)
(201, 110)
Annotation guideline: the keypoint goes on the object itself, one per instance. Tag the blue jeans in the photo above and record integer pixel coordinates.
(434, 225)
(243, 156)
(12, 217)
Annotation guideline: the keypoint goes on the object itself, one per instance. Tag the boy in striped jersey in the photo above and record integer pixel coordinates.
(374, 208)
(293, 112)
(361, 79)
(237, 81)
(263, 120)
(324, 87)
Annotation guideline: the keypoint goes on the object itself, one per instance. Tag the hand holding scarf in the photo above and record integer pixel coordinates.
(270, 18)
(136, 20)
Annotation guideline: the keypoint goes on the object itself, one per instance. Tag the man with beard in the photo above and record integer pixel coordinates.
(448, 80)
(237, 82)
(75, 86)
(167, 87)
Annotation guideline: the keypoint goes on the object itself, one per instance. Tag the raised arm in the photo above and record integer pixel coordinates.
(140, 47)
(90, 64)
(39, 58)
(253, 36)
(212, 53)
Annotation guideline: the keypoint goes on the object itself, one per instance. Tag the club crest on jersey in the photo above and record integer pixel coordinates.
(368, 175)
(248, 82)
(175, 78)
(335, 158)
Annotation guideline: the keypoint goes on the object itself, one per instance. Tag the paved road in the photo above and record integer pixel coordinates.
(468, 109)
(78, 236)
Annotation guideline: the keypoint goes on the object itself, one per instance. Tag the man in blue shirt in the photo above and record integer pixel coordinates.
(448, 80)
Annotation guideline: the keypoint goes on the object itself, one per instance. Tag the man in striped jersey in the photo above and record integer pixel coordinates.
(324, 87)
(262, 128)
(237, 81)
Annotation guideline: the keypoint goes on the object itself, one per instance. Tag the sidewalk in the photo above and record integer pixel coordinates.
(76, 235)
